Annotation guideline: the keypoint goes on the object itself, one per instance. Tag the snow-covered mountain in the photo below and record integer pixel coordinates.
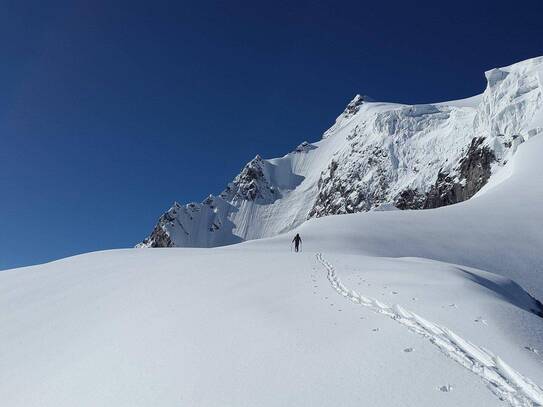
(375, 156)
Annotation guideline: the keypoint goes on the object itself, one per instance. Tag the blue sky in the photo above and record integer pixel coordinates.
(111, 110)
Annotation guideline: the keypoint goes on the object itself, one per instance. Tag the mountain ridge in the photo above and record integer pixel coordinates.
(376, 155)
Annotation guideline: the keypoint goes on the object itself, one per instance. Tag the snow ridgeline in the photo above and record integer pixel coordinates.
(375, 156)
(506, 383)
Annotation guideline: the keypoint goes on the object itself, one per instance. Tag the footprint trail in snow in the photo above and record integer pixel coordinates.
(500, 378)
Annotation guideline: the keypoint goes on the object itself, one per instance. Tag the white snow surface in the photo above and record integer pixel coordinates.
(367, 314)
(383, 308)
(380, 149)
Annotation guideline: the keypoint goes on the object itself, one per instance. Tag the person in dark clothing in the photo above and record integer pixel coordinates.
(297, 240)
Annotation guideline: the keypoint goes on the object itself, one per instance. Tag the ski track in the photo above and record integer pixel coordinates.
(500, 378)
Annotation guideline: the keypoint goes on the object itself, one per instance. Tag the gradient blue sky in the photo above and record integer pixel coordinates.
(111, 110)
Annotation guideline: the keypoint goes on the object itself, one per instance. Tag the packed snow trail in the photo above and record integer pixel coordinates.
(500, 378)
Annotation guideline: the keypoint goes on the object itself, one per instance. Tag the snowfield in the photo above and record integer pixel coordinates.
(349, 321)
(436, 307)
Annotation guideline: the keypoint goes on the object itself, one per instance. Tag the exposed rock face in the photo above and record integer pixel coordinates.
(472, 173)
(160, 237)
(352, 190)
(251, 184)
(304, 147)
(409, 199)
(359, 187)
(354, 106)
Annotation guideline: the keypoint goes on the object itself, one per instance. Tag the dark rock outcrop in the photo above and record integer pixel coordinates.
(251, 184)
(409, 199)
(351, 191)
(304, 147)
(471, 174)
(159, 237)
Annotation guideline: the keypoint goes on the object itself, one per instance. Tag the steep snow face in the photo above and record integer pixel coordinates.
(511, 104)
(266, 198)
(392, 151)
(376, 155)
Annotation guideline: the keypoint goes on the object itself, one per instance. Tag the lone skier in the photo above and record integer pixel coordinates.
(297, 240)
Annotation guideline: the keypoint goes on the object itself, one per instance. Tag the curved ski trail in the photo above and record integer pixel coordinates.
(500, 378)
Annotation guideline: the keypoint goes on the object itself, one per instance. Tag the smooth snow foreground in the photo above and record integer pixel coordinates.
(380, 309)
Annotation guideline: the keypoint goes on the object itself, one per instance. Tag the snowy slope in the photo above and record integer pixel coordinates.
(376, 155)
(349, 321)
(215, 327)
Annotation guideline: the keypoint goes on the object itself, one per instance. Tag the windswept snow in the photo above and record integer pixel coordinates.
(220, 327)
(500, 378)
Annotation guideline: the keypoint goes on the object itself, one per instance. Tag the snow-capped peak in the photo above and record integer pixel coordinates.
(375, 155)
(354, 105)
